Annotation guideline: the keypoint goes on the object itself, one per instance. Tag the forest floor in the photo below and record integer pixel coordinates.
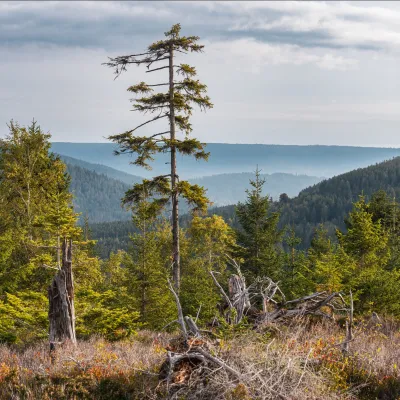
(300, 361)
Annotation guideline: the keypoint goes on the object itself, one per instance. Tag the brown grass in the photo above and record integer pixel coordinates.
(297, 362)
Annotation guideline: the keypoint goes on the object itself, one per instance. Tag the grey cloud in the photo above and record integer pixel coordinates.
(115, 25)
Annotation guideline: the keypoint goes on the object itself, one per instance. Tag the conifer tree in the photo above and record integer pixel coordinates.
(34, 191)
(330, 268)
(210, 243)
(259, 234)
(366, 240)
(366, 243)
(175, 105)
(385, 209)
(293, 274)
(146, 267)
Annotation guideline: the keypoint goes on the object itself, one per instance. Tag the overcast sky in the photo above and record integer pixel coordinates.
(277, 72)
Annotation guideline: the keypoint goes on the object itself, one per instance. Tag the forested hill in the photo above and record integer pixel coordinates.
(102, 169)
(98, 189)
(97, 195)
(329, 201)
(235, 158)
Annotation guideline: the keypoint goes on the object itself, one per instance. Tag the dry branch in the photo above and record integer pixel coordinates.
(181, 319)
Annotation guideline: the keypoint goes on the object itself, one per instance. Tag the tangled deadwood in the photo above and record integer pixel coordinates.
(243, 300)
(194, 356)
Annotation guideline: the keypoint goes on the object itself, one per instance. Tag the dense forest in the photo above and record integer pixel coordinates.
(191, 303)
(126, 291)
(378, 212)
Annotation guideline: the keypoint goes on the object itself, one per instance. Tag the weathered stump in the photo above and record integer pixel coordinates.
(239, 296)
(61, 301)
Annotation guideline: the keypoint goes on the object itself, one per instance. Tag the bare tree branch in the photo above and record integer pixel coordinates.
(226, 297)
(181, 319)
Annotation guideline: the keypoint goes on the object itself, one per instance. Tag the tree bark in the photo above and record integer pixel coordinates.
(176, 273)
(61, 300)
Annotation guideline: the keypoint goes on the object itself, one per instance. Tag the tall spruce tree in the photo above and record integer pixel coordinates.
(259, 234)
(175, 105)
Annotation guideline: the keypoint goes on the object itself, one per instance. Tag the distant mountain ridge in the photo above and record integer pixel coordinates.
(98, 189)
(312, 160)
(223, 189)
(102, 169)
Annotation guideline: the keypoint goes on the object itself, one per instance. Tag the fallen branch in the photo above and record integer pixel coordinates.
(220, 363)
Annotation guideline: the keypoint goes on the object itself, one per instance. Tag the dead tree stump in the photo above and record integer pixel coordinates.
(239, 296)
(61, 301)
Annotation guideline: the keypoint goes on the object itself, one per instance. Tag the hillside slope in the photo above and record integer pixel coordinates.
(102, 169)
(235, 158)
(96, 195)
(329, 201)
(98, 189)
(326, 202)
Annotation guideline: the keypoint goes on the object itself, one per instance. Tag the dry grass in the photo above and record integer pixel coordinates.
(297, 362)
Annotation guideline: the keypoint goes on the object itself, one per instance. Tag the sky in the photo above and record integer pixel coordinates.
(277, 72)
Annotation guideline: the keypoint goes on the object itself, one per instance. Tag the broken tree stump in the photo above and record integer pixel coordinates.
(61, 301)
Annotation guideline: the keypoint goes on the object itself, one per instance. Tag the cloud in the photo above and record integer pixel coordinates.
(114, 25)
(252, 55)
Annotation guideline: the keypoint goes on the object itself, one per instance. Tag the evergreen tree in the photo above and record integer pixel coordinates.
(293, 274)
(176, 105)
(365, 239)
(147, 269)
(367, 243)
(210, 243)
(259, 234)
(34, 194)
(385, 209)
(330, 268)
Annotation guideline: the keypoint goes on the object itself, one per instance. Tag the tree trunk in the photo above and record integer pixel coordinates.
(61, 300)
(176, 273)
